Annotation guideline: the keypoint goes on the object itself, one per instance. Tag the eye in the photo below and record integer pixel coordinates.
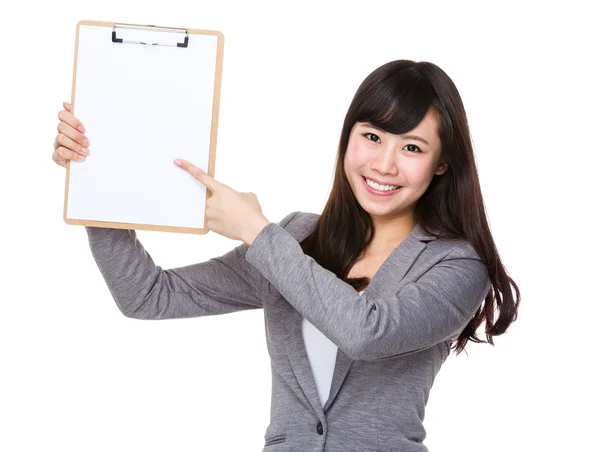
(414, 146)
(372, 134)
(368, 134)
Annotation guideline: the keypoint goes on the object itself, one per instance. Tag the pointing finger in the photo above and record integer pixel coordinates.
(203, 177)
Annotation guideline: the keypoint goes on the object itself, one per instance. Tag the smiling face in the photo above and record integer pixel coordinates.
(398, 160)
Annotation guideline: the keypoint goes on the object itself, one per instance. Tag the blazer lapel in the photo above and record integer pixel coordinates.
(289, 326)
(383, 283)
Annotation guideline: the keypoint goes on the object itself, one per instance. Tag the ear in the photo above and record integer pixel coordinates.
(441, 169)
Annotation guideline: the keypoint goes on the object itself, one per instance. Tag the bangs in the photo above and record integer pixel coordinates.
(397, 102)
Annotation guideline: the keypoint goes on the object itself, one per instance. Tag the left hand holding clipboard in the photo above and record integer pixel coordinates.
(229, 213)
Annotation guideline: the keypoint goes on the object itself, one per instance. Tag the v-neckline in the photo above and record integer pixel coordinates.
(388, 259)
(291, 326)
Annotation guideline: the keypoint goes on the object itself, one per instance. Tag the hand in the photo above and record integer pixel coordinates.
(70, 143)
(232, 214)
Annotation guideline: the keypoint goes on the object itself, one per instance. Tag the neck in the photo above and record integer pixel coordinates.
(390, 232)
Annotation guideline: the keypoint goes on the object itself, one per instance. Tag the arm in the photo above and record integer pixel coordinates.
(143, 290)
(422, 314)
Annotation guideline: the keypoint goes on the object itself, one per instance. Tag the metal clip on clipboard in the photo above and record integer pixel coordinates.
(134, 34)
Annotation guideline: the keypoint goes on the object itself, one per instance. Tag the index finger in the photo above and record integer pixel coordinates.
(70, 119)
(203, 177)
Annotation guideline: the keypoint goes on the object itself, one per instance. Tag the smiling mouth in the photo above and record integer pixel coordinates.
(373, 189)
(380, 194)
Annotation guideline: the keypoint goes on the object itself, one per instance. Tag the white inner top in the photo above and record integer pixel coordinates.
(321, 355)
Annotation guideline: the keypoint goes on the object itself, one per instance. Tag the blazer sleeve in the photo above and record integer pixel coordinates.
(143, 290)
(366, 327)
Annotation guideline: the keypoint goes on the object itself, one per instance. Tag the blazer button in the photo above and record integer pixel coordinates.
(320, 428)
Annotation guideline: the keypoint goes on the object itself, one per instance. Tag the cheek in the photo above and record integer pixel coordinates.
(418, 174)
(356, 156)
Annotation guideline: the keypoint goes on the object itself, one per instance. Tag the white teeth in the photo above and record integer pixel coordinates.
(376, 186)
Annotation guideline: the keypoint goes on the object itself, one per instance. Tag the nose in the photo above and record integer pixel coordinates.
(385, 161)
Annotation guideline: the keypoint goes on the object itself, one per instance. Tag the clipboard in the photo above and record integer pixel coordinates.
(146, 95)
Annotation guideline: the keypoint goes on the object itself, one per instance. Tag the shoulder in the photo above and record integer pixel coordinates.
(452, 248)
(455, 260)
(299, 224)
(298, 218)
(463, 249)
(462, 263)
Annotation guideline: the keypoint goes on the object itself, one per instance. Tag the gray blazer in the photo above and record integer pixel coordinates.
(391, 341)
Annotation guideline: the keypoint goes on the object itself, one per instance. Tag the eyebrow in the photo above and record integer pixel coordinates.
(413, 137)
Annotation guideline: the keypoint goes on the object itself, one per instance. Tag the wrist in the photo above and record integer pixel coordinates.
(255, 229)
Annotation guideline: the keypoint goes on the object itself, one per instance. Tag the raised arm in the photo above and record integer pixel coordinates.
(367, 327)
(143, 290)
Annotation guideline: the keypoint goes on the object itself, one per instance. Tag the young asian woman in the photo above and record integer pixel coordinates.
(364, 302)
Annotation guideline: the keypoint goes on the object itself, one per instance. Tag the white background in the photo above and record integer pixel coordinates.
(76, 375)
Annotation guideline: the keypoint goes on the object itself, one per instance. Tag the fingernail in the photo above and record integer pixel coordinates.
(81, 129)
(85, 150)
(85, 142)
(178, 162)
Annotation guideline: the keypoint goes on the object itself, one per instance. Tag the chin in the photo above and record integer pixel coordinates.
(385, 209)
(379, 210)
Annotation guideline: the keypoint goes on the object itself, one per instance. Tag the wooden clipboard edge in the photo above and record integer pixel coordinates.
(213, 134)
(138, 226)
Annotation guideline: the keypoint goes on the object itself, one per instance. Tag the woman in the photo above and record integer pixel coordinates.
(363, 302)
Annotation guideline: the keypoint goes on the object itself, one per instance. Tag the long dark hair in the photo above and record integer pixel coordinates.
(396, 97)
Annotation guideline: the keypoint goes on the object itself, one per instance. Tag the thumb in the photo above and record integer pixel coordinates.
(67, 106)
